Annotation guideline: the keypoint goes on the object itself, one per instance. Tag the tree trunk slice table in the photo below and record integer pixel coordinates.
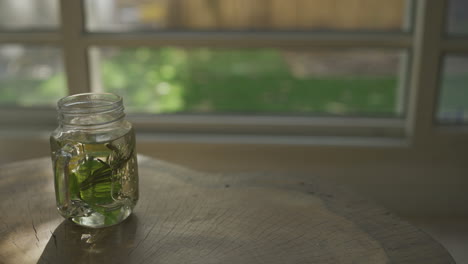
(184, 216)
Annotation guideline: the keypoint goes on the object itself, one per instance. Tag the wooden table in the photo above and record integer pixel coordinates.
(185, 216)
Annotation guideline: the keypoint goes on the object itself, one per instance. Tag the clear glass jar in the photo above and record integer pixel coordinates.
(94, 160)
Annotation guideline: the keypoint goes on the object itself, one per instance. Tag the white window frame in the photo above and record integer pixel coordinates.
(426, 43)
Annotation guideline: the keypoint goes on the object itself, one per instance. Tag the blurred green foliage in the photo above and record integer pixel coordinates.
(176, 80)
(169, 80)
(32, 92)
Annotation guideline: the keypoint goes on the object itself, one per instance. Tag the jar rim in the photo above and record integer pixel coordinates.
(88, 103)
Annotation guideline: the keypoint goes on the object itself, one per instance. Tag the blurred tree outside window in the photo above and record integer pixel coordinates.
(170, 80)
(259, 81)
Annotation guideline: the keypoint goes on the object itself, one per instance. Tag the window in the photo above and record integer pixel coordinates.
(31, 76)
(453, 98)
(301, 67)
(457, 20)
(452, 101)
(252, 81)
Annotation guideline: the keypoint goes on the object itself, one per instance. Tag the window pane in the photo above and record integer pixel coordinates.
(458, 17)
(30, 76)
(28, 14)
(170, 80)
(114, 15)
(453, 99)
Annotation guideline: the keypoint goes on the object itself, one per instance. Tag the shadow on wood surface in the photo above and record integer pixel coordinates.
(71, 243)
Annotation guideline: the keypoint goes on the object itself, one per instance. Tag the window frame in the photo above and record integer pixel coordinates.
(425, 44)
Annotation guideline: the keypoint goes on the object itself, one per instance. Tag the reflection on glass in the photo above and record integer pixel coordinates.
(114, 15)
(458, 17)
(28, 14)
(30, 76)
(175, 80)
(453, 98)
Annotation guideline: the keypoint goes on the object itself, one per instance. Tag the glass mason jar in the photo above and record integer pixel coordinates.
(94, 160)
